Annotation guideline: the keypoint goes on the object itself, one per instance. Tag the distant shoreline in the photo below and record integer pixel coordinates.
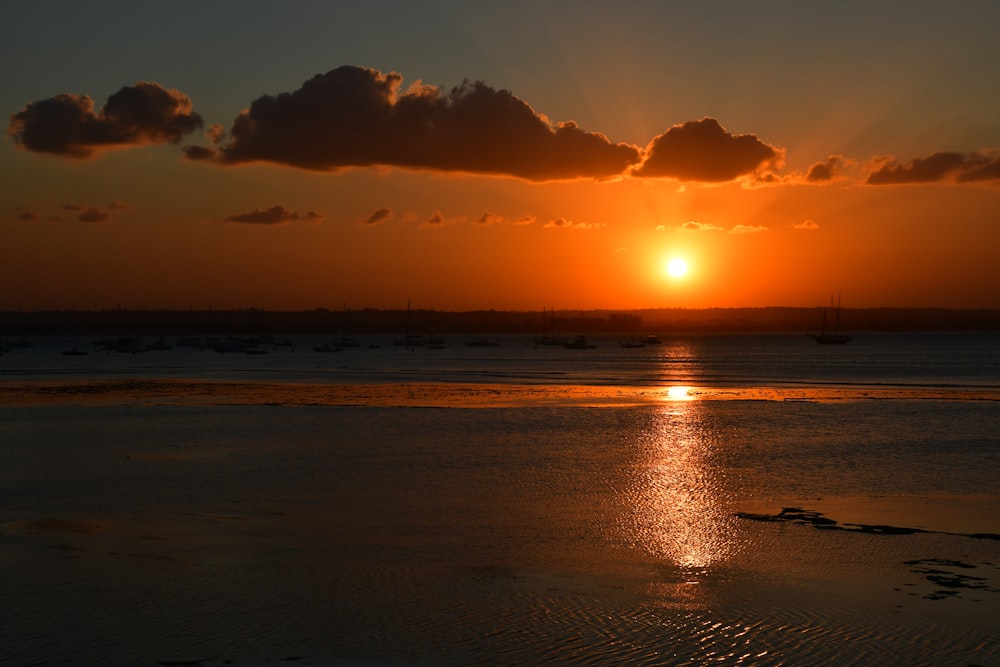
(369, 320)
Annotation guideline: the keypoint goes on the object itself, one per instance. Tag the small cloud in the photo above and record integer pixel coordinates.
(943, 167)
(824, 172)
(490, 219)
(700, 226)
(67, 125)
(809, 225)
(564, 223)
(381, 215)
(117, 206)
(72, 207)
(748, 229)
(315, 216)
(438, 221)
(93, 215)
(275, 215)
(493, 219)
(704, 151)
(26, 216)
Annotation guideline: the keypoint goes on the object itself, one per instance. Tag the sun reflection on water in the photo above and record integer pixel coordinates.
(680, 393)
(678, 498)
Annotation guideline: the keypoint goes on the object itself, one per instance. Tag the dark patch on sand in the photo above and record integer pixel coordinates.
(816, 519)
(940, 572)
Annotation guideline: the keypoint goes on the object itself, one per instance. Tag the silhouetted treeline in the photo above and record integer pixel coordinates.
(323, 321)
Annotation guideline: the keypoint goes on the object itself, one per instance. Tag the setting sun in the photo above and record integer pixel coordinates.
(677, 267)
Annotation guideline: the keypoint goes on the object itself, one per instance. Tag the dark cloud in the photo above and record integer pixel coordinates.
(435, 220)
(275, 215)
(490, 219)
(72, 207)
(824, 172)
(117, 206)
(381, 215)
(981, 166)
(93, 215)
(315, 216)
(702, 150)
(354, 117)
(67, 125)
(27, 216)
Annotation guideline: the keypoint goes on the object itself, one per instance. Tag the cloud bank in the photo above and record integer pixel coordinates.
(353, 117)
(67, 125)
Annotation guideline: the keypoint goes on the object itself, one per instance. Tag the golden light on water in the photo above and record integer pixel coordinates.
(678, 498)
(680, 393)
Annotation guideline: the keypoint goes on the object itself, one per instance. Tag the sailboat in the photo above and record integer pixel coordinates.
(545, 338)
(834, 338)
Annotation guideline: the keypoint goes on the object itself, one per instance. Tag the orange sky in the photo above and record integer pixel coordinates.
(786, 155)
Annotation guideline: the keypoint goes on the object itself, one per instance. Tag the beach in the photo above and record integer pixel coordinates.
(151, 520)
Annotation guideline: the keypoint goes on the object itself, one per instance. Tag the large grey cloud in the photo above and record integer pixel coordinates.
(702, 150)
(353, 117)
(67, 125)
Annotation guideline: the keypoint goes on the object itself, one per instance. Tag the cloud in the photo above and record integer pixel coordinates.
(700, 226)
(276, 215)
(117, 206)
(493, 219)
(564, 223)
(67, 125)
(356, 117)
(438, 221)
(704, 151)
(27, 216)
(314, 216)
(978, 167)
(72, 207)
(93, 215)
(809, 225)
(747, 229)
(490, 219)
(824, 172)
(381, 215)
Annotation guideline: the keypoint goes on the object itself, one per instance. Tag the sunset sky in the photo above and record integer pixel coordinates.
(515, 155)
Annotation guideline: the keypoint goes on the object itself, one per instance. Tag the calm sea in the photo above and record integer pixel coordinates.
(134, 532)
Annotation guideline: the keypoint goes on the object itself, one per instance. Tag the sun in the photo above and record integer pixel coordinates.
(677, 267)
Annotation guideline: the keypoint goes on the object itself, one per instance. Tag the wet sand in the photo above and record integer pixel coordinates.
(210, 523)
